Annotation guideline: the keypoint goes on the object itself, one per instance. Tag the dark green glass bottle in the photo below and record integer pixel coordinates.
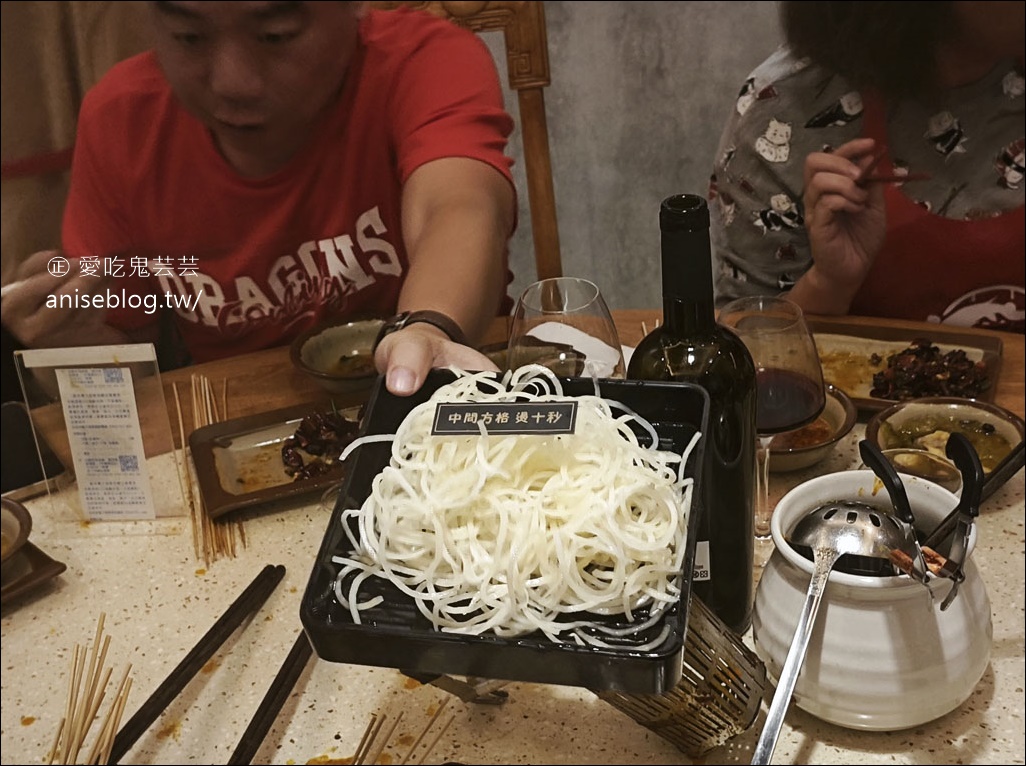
(690, 346)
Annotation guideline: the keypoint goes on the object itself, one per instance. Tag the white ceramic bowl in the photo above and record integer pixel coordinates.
(882, 656)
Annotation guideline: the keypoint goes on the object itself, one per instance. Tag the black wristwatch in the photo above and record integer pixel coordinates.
(434, 318)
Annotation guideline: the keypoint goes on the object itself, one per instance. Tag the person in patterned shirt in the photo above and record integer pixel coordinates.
(874, 165)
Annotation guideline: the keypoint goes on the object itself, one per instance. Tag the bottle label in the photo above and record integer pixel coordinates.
(702, 571)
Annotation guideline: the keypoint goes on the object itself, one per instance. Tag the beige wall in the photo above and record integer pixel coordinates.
(640, 92)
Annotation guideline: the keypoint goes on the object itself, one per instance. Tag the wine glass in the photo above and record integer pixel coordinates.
(788, 378)
(563, 323)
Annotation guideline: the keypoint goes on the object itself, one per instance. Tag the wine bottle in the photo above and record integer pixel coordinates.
(690, 346)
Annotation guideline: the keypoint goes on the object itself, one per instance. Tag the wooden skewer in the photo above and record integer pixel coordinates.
(56, 741)
(185, 476)
(371, 747)
(358, 754)
(434, 742)
(94, 691)
(430, 723)
(116, 722)
(71, 705)
(376, 722)
(105, 740)
(384, 740)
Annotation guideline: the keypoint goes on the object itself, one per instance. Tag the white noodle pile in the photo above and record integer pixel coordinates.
(505, 533)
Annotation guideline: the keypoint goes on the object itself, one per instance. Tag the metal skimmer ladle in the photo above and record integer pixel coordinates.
(831, 530)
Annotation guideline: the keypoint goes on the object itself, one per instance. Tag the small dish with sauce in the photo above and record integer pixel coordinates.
(925, 425)
(339, 355)
(804, 447)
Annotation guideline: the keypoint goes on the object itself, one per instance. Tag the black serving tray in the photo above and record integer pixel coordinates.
(394, 634)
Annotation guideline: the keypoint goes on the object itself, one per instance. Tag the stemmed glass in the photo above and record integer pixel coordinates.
(788, 378)
(563, 323)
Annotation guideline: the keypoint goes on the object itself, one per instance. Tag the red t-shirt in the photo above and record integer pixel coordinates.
(162, 211)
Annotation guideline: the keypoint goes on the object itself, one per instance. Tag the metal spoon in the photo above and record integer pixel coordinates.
(831, 530)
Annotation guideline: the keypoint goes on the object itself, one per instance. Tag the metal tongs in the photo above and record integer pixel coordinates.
(888, 475)
(962, 518)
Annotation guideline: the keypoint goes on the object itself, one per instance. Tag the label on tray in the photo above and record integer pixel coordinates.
(453, 418)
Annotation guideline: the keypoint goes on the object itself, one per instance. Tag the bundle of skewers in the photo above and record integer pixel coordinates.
(211, 539)
(87, 689)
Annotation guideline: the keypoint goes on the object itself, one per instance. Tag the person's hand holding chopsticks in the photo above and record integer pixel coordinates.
(846, 222)
(52, 302)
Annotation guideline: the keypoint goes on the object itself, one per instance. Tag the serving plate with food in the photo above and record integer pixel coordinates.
(914, 434)
(275, 455)
(878, 365)
(559, 557)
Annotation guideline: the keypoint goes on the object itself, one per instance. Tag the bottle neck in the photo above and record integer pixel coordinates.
(686, 317)
(687, 281)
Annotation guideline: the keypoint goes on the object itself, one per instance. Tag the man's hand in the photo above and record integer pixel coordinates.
(26, 314)
(405, 357)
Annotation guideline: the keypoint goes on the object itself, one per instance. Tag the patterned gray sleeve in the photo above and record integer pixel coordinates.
(785, 110)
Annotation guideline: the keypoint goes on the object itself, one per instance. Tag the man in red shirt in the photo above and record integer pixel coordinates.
(272, 164)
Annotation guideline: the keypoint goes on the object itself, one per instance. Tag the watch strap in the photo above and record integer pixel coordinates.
(434, 318)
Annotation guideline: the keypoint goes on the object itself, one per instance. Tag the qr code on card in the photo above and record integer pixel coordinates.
(129, 463)
(113, 375)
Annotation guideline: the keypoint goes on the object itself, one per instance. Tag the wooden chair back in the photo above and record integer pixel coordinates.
(527, 62)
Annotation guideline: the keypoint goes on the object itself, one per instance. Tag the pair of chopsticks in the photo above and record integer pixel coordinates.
(867, 176)
(248, 602)
(273, 701)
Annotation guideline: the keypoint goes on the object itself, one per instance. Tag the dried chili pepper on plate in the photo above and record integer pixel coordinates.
(923, 370)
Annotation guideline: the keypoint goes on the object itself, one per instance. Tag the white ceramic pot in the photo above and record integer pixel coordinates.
(883, 655)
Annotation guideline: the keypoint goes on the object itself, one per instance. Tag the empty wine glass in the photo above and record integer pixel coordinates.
(788, 377)
(564, 324)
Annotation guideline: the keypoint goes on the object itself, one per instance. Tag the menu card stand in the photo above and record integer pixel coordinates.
(101, 410)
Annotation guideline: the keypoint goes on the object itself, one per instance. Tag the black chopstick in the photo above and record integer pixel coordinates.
(273, 701)
(249, 601)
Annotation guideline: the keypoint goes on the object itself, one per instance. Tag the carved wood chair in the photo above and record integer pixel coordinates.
(527, 63)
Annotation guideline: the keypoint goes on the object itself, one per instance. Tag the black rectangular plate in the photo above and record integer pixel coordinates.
(394, 634)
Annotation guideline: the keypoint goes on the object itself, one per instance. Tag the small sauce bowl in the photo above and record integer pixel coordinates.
(804, 447)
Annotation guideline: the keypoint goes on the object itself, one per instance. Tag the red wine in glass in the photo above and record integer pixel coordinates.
(787, 400)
